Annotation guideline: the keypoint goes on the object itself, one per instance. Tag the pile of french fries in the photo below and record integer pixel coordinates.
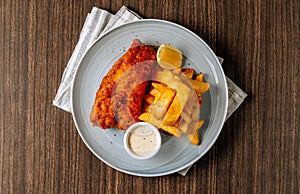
(173, 102)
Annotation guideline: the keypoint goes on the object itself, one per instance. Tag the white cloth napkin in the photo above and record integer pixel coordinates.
(98, 22)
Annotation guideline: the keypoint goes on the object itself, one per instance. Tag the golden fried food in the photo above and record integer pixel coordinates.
(116, 104)
(136, 89)
(188, 72)
(159, 108)
(173, 102)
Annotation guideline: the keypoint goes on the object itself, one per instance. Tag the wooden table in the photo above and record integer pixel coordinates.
(257, 150)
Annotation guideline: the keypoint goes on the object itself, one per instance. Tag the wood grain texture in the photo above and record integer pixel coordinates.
(257, 150)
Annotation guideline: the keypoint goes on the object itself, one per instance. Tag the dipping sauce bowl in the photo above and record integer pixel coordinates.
(142, 140)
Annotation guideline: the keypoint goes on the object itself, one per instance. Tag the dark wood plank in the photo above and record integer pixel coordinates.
(257, 150)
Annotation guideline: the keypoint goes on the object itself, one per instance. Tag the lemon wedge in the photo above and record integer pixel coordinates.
(169, 57)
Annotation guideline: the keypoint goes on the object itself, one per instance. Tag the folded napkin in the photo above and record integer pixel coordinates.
(98, 22)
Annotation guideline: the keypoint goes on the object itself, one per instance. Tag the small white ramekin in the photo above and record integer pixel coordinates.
(126, 140)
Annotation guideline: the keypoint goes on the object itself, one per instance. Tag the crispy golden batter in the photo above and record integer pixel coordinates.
(118, 101)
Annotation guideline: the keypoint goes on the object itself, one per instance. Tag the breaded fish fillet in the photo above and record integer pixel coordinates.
(128, 93)
(118, 101)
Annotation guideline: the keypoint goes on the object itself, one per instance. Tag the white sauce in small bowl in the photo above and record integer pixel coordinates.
(142, 140)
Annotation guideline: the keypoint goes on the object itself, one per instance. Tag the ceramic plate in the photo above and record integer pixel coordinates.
(176, 153)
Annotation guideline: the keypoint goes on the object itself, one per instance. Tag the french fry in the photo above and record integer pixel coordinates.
(167, 97)
(159, 108)
(199, 77)
(183, 126)
(147, 117)
(160, 87)
(177, 122)
(188, 72)
(182, 91)
(149, 98)
(156, 93)
(200, 87)
(192, 127)
(173, 112)
(194, 139)
(171, 130)
(186, 116)
(146, 108)
(176, 71)
(195, 113)
(200, 123)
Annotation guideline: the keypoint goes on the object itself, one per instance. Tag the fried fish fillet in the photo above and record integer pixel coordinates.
(118, 101)
(128, 93)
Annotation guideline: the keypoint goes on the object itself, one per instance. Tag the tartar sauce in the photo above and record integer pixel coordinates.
(142, 141)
